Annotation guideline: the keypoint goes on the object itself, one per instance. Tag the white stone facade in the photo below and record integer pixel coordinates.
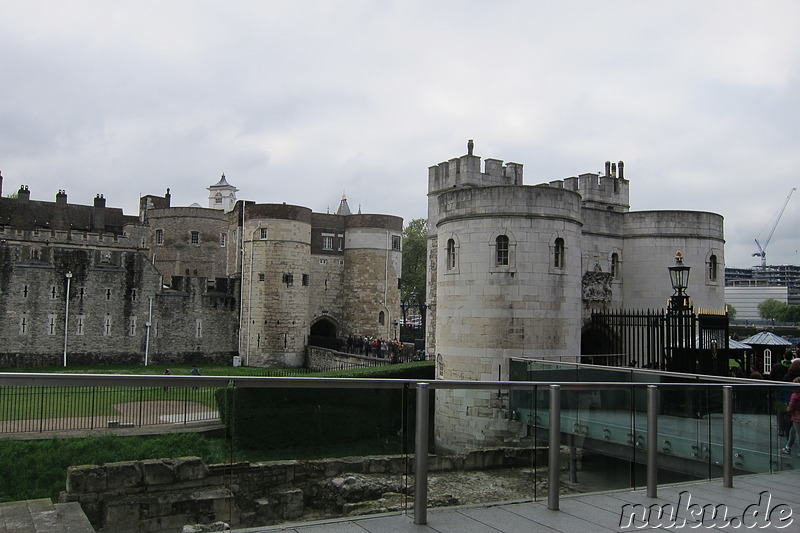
(516, 270)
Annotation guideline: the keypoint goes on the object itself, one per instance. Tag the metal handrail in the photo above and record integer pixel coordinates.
(423, 390)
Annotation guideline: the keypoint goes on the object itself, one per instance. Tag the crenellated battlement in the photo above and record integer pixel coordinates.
(609, 191)
(465, 171)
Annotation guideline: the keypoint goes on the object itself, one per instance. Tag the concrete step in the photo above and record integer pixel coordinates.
(42, 516)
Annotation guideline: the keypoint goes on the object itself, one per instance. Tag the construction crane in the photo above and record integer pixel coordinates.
(762, 250)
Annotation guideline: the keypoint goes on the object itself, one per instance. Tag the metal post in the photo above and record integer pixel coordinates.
(652, 441)
(727, 436)
(421, 456)
(555, 448)
(66, 317)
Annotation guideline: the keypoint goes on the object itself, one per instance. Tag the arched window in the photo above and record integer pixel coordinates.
(451, 254)
(713, 268)
(615, 266)
(502, 250)
(381, 318)
(558, 253)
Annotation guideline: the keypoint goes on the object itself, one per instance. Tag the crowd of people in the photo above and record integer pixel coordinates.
(375, 347)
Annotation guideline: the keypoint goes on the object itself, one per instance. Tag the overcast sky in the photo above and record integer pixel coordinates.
(298, 101)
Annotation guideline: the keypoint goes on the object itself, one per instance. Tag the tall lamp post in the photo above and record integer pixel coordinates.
(679, 325)
(66, 316)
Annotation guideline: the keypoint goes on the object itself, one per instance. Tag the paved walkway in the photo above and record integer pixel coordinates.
(772, 502)
(42, 516)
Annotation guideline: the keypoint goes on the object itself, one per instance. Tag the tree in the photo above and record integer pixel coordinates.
(772, 309)
(731, 311)
(415, 255)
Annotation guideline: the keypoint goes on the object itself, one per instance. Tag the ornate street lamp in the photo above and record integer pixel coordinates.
(679, 277)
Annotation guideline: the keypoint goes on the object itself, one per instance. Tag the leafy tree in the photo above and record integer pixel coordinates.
(772, 309)
(415, 255)
(731, 311)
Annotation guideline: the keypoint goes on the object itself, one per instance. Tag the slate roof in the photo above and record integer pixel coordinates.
(35, 214)
(766, 338)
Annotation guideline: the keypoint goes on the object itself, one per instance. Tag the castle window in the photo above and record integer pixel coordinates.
(108, 294)
(451, 254)
(396, 242)
(288, 279)
(323, 261)
(133, 295)
(261, 276)
(218, 199)
(558, 253)
(501, 254)
(381, 318)
(51, 324)
(198, 328)
(132, 327)
(615, 266)
(159, 237)
(327, 242)
(306, 280)
(713, 268)
(79, 325)
(194, 237)
(341, 243)
(23, 324)
(264, 233)
(24, 291)
(222, 239)
(107, 326)
(53, 293)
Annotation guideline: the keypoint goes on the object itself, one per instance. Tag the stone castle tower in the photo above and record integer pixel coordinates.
(515, 271)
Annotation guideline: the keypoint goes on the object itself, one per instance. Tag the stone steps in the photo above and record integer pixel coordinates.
(42, 516)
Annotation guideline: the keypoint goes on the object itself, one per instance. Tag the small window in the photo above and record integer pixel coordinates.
(195, 237)
(323, 261)
(261, 276)
(558, 253)
(451, 254)
(53, 293)
(81, 293)
(327, 242)
(222, 239)
(24, 291)
(23, 324)
(502, 250)
(107, 326)
(159, 237)
(713, 268)
(396, 242)
(133, 295)
(108, 294)
(264, 233)
(615, 266)
(132, 328)
(79, 324)
(288, 279)
(381, 318)
(51, 324)
(198, 328)
(306, 280)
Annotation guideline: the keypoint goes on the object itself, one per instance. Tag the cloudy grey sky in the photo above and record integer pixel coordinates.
(298, 101)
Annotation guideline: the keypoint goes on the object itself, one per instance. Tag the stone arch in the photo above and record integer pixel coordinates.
(324, 327)
(512, 250)
(713, 266)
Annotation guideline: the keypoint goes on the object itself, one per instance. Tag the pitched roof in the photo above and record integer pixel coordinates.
(766, 338)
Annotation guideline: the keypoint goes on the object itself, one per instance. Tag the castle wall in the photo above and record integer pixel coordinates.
(651, 240)
(177, 252)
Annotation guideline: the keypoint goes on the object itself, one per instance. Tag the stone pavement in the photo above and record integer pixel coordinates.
(42, 516)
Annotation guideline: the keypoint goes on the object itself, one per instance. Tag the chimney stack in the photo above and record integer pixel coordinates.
(61, 197)
(99, 213)
(621, 166)
(23, 195)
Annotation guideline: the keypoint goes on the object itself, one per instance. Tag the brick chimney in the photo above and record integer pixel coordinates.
(23, 195)
(61, 197)
(99, 213)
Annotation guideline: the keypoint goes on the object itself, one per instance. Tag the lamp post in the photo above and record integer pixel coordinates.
(66, 316)
(679, 277)
(679, 320)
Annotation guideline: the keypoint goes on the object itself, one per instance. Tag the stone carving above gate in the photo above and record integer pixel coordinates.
(596, 285)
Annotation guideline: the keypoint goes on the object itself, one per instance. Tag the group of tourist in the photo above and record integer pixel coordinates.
(375, 347)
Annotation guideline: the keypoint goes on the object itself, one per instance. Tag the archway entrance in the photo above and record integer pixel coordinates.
(323, 328)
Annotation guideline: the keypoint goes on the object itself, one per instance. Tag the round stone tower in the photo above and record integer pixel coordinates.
(275, 299)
